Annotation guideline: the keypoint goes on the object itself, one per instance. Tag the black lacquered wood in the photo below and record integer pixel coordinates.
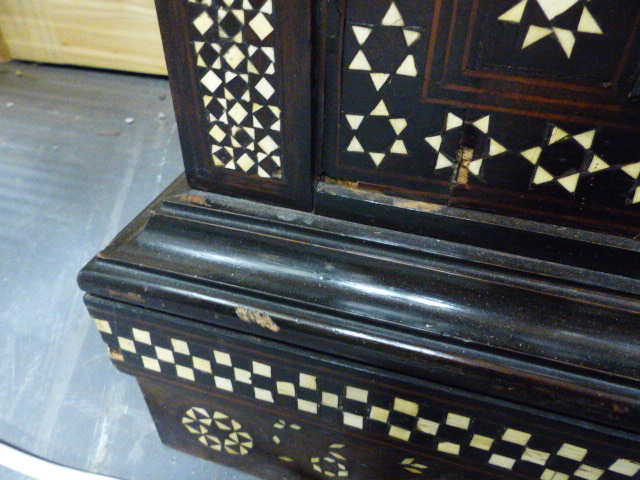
(374, 420)
(525, 330)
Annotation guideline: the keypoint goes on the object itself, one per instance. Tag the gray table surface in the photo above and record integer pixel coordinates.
(81, 153)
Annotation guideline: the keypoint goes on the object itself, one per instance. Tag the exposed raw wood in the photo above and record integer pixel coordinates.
(4, 51)
(114, 34)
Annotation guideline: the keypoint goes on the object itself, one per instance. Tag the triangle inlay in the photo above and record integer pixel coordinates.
(393, 18)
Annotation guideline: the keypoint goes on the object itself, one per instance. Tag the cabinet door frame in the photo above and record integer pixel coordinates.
(291, 29)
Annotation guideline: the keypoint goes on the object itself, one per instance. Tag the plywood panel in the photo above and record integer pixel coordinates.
(114, 34)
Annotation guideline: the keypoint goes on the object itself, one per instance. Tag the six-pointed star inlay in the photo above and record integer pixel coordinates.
(552, 10)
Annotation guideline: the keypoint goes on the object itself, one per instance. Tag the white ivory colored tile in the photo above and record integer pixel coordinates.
(103, 326)
(453, 121)
(399, 433)
(379, 79)
(475, 166)
(360, 62)
(427, 426)
(450, 448)
(588, 473)
(442, 162)
(180, 346)
(408, 67)
(553, 8)
(261, 26)
(567, 40)
(588, 24)
(410, 37)
(542, 176)
(308, 381)
(585, 139)
(516, 436)
(286, 388)
(458, 421)
(262, 369)
(481, 442)
(435, 142)
(222, 358)
(165, 355)
(354, 121)
(330, 400)
(354, 146)
(633, 170)
(572, 452)
(242, 375)
(393, 18)
(245, 162)
(201, 364)
(267, 7)
(532, 154)
(553, 475)
(625, 467)
(357, 394)
(203, 22)
(495, 148)
(570, 182)
(535, 456)
(307, 406)
(597, 164)
(352, 420)
(234, 56)
(377, 158)
(238, 113)
(535, 34)
(262, 394)
(502, 461)
(405, 406)
(398, 125)
(141, 336)
(380, 110)
(151, 364)
(265, 88)
(482, 124)
(515, 13)
(267, 144)
(361, 33)
(185, 372)
(399, 148)
(379, 414)
(223, 383)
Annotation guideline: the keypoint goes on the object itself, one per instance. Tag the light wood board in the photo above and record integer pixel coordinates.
(113, 34)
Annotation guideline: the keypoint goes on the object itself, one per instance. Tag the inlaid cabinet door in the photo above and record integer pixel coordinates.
(519, 107)
(240, 78)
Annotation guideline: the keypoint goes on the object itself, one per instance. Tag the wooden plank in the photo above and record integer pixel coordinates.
(4, 51)
(113, 34)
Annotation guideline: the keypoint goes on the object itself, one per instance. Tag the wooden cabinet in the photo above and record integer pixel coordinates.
(524, 109)
(406, 274)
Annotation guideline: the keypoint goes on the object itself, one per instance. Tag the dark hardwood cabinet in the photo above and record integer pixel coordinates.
(405, 245)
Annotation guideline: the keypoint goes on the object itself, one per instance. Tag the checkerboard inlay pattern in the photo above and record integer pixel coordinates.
(448, 433)
(237, 69)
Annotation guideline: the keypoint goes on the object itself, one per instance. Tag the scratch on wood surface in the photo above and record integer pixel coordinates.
(417, 205)
(197, 199)
(258, 318)
(134, 297)
(116, 356)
